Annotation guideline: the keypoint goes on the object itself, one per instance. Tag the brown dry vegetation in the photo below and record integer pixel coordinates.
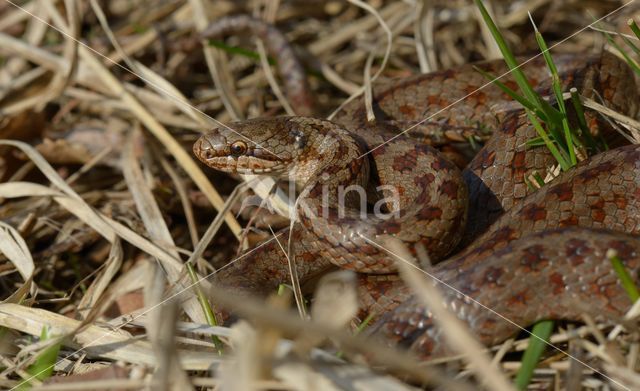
(102, 203)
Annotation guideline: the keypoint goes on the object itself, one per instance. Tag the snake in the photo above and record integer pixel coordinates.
(526, 254)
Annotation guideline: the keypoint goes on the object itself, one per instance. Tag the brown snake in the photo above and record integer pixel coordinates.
(526, 256)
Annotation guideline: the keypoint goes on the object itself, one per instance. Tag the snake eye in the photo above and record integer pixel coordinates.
(238, 148)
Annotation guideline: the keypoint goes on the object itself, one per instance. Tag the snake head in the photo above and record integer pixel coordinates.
(266, 146)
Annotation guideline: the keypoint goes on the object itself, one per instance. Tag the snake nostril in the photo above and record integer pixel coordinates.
(203, 148)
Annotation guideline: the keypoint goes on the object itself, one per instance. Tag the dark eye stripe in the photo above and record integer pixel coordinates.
(264, 155)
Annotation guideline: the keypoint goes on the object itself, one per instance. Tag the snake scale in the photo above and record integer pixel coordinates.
(527, 254)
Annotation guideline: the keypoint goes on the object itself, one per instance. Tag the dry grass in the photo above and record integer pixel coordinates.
(102, 204)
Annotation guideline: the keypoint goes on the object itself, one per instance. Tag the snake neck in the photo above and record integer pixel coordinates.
(331, 171)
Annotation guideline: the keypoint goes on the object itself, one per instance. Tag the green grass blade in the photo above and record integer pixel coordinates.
(282, 288)
(535, 142)
(255, 56)
(364, 323)
(536, 176)
(592, 145)
(557, 153)
(206, 307)
(542, 330)
(542, 44)
(534, 181)
(359, 329)
(509, 58)
(44, 364)
(544, 110)
(530, 185)
(566, 141)
(568, 133)
(557, 90)
(625, 279)
(473, 144)
(558, 135)
(544, 115)
(514, 95)
(634, 27)
(632, 63)
(631, 45)
(238, 51)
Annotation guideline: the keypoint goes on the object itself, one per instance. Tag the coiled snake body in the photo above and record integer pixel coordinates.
(526, 256)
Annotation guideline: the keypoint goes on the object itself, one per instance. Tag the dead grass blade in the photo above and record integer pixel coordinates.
(162, 334)
(367, 87)
(174, 148)
(70, 200)
(164, 136)
(329, 376)
(96, 341)
(630, 124)
(13, 246)
(213, 57)
(396, 362)
(268, 73)
(335, 305)
(100, 284)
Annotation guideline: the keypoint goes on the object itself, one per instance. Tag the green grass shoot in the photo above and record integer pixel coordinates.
(537, 344)
(551, 123)
(238, 51)
(44, 364)
(206, 307)
(627, 281)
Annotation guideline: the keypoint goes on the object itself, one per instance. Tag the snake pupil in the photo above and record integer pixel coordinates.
(238, 148)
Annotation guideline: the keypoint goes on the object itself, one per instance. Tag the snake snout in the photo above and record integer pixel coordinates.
(209, 148)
